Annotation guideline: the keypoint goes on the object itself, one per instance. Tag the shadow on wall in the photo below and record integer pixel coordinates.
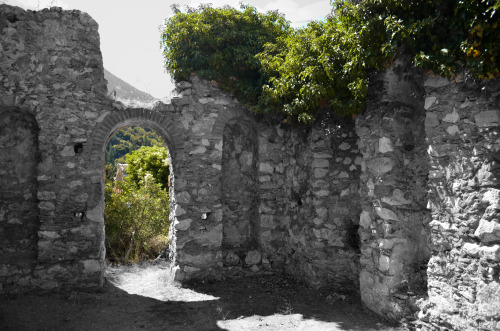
(19, 221)
(239, 201)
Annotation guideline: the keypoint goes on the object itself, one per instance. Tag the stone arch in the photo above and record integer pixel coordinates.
(163, 124)
(232, 116)
(141, 117)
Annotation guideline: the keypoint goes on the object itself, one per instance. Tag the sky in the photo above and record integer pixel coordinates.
(130, 35)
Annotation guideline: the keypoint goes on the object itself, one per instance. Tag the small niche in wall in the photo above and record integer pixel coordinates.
(78, 148)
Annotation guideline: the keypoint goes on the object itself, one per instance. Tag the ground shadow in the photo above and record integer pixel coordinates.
(253, 303)
(279, 302)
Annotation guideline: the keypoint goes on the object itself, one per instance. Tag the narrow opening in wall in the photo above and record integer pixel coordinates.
(137, 185)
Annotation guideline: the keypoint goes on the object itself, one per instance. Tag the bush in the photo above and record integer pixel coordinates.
(220, 44)
(152, 160)
(136, 219)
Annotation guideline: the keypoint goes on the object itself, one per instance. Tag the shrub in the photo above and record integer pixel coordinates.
(152, 160)
(220, 44)
(135, 218)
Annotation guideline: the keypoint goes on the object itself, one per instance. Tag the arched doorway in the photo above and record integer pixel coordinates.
(136, 216)
(146, 118)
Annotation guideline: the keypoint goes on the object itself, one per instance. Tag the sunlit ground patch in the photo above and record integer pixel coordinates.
(153, 281)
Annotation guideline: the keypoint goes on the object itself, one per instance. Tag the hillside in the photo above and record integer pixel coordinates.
(123, 91)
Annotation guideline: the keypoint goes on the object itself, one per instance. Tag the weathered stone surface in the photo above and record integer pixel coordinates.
(431, 120)
(488, 252)
(320, 172)
(452, 129)
(266, 168)
(429, 101)
(456, 280)
(453, 117)
(320, 163)
(91, 266)
(396, 199)
(253, 257)
(183, 225)
(179, 211)
(489, 118)
(435, 81)
(380, 165)
(365, 219)
(386, 214)
(488, 231)
(232, 259)
(385, 145)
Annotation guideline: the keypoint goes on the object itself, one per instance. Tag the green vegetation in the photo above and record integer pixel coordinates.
(148, 160)
(125, 141)
(136, 219)
(295, 72)
(220, 44)
(137, 208)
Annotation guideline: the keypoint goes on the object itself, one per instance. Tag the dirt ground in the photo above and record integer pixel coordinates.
(142, 298)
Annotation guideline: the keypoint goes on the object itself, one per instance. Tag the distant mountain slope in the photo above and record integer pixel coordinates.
(123, 91)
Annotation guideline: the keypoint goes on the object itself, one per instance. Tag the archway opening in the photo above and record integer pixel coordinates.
(137, 199)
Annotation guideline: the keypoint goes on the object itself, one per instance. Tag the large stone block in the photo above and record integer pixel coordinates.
(380, 165)
(488, 299)
(452, 117)
(489, 118)
(387, 214)
(253, 257)
(365, 219)
(385, 145)
(266, 168)
(320, 163)
(488, 231)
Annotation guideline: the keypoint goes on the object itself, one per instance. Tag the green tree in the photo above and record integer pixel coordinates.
(220, 44)
(127, 140)
(148, 160)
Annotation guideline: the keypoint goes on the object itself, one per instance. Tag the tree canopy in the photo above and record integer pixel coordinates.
(220, 44)
(273, 68)
(152, 160)
(125, 141)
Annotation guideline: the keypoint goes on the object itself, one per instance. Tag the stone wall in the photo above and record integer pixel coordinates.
(51, 70)
(322, 179)
(264, 197)
(394, 219)
(463, 134)
(18, 197)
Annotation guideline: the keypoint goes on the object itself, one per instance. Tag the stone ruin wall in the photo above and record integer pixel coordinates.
(401, 205)
(51, 95)
(462, 128)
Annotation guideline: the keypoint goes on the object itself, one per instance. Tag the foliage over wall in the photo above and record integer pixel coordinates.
(328, 62)
(220, 44)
